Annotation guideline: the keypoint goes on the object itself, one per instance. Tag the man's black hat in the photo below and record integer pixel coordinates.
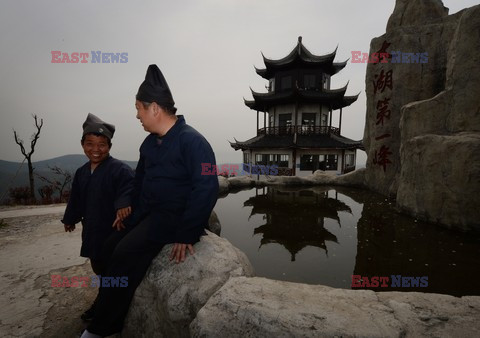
(155, 88)
(95, 125)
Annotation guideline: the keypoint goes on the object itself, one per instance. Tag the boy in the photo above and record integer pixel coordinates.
(100, 193)
(174, 200)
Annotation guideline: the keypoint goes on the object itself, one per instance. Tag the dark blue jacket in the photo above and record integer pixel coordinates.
(94, 200)
(170, 186)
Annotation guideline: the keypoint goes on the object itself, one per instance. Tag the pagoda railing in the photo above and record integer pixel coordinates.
(300, 130)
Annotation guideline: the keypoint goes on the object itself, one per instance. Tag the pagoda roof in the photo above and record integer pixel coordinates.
(317, 141)
(301, 56)
(335, 98)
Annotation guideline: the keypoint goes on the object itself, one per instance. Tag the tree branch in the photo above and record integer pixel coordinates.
(20, 143)
(36, 135)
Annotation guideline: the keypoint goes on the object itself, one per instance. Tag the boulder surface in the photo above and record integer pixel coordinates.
(171, 294)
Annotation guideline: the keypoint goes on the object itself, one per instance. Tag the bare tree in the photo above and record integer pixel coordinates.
(28, 156)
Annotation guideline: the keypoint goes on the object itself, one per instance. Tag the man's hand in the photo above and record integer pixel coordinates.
(69, 228)
(178, 252)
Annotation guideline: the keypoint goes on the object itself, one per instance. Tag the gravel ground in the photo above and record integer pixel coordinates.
(34, 246)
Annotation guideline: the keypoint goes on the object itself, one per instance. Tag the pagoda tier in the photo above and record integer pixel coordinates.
(301, 57)
(334, 99)
(296, 141)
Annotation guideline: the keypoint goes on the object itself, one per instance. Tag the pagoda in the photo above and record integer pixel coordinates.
(297, 133)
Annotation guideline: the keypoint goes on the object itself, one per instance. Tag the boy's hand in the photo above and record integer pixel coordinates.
(69, 228)
(123, 213)
(178, 252)
(118, 224)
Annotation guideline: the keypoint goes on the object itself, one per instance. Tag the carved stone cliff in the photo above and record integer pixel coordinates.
(422, 131)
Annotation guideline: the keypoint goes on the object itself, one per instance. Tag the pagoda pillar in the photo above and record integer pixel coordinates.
(265, 121)
(340, 123)
(330, 122)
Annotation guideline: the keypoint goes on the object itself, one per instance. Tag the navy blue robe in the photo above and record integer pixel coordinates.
(170, 187)
(94, 200)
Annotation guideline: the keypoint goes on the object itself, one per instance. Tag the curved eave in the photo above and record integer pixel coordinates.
(262, 72)
(319, 141)
(346, 101)
(338, 66)
(300, 53)
(335, 98)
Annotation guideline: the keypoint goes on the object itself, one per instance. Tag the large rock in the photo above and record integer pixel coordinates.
(439, 179)
(414, 13)
(354, 178)
(258, 307)
(434, 315)
(223, 186)
(214, 224)
(240, 182)
(406, 101)
(170, 295)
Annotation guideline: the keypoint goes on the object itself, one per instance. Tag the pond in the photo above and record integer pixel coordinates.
(323, 235)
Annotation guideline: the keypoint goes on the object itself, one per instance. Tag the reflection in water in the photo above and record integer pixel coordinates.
(324, 236)
(289, 211)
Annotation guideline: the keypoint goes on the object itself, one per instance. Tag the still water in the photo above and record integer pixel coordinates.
(323, 235)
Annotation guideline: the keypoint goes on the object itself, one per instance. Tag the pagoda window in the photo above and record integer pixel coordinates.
(271, 85)
(349, 160)
(324, 120)
(261, 159)
(326, 82)
(331, 162)
(246, 158)
(283, 161)
(309, 81)
(286, 82)
(284, 123)
(308, 122)
(309, 162)
(280, 160)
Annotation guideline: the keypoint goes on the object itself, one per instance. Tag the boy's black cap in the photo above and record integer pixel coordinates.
(155, 88)
(93, 124)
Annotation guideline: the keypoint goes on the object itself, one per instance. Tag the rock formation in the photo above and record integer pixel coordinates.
(422, 132)
(170, 295)
(258, 307)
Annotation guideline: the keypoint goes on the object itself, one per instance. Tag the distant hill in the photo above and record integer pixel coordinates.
(67, 162)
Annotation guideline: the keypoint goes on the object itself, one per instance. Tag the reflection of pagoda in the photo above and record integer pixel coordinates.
(298, 135)
(296, 219)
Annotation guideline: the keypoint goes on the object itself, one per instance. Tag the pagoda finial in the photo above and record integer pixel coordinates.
(299, 44)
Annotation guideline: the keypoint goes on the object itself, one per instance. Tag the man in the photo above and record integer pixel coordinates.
(100, 192)
(173, 199)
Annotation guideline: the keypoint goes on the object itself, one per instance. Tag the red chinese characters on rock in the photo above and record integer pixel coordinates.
(383, 111)
(382, 82)
(381, 157)
(383, 51)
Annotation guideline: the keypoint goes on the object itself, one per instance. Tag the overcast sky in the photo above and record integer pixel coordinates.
(207, 50)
